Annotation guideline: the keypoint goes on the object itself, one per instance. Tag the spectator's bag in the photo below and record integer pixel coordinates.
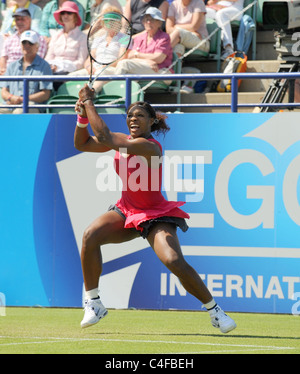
(234, 63)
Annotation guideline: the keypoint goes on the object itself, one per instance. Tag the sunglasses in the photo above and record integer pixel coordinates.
(65, 12)
(24, 42)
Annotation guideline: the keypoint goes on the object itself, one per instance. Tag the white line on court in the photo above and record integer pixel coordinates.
(248, 347)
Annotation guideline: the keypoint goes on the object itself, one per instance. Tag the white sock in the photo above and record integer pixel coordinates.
(92, 294)
(210, 306)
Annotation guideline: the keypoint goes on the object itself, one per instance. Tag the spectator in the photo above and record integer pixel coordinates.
(223, 12)
(12, 50)
(67, 50)
(99, 53)
(48, 24)
(99, 6)
(1, 42)
(40, 3)
(30, 64)
(186, 25)
(151, 52)
(135, 9)
(9, 25)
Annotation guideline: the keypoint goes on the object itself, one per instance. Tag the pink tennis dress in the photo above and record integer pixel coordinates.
(142, 199)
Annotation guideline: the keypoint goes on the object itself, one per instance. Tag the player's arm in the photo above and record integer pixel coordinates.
(113, 140)
(83, 141)
(116, 140)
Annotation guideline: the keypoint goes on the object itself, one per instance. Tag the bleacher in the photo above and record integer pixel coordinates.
(262, 57)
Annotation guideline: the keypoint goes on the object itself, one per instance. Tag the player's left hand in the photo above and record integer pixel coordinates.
(86, 93)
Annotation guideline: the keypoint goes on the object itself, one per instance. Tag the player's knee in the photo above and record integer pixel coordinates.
(172, 262)
(91, 238)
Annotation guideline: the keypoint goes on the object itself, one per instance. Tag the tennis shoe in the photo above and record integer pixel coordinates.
(93, 312)
(221, 320)
(186, 89)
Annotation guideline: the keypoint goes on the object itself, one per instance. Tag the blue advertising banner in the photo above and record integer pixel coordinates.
(237, 173)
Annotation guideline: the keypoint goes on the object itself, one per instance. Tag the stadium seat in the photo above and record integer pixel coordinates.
(67, 93)
(214, 53)
(116, 90)
(62, 100)
(70, 88)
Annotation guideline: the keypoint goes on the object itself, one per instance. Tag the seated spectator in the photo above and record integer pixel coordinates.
(1, 42)
(99, 6)
(48, 24)
(135, 9)
(30, 64)
(151, 51)
(99, 53)
(12, 50)
(40, 3)
(186, 25)
(67, 50)
(224, 11)
(9, 24)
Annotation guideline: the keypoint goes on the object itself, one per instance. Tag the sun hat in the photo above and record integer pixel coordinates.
(22, 12)
(68, 6)
(31, 36)
(154, 13)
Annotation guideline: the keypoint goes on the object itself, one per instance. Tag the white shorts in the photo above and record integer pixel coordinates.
(190, 40)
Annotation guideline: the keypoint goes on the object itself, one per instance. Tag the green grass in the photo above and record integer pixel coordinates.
(52, 331)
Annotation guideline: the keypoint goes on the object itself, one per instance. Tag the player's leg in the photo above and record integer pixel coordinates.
(109, 228)
(164, 241)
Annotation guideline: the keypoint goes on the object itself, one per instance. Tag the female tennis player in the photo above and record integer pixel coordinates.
(142, 212)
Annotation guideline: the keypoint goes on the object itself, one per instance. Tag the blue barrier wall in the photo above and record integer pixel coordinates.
(238, 173)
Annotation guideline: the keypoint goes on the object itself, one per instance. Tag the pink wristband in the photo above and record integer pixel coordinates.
(82, 120)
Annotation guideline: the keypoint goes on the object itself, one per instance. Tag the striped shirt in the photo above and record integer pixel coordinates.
(13, 51)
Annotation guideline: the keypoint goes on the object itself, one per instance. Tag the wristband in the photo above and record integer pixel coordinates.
(82, 120)
(82, 125)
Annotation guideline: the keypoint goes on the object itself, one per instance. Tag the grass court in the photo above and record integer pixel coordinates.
(58, 331)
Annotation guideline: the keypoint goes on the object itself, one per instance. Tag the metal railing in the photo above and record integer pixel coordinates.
(234, 105)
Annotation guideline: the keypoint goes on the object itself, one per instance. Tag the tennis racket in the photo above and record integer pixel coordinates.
(108, 39)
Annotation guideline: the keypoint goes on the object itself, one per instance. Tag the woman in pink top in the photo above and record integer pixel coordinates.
(142, 209)
(151, 51)
(67, 50)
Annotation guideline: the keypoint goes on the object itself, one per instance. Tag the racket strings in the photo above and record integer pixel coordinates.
(109, 38)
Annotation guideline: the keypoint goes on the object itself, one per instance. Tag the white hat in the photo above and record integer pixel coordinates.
(31, 36)
(154, 13)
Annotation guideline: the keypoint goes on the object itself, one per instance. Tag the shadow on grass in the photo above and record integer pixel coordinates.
(199, 334)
